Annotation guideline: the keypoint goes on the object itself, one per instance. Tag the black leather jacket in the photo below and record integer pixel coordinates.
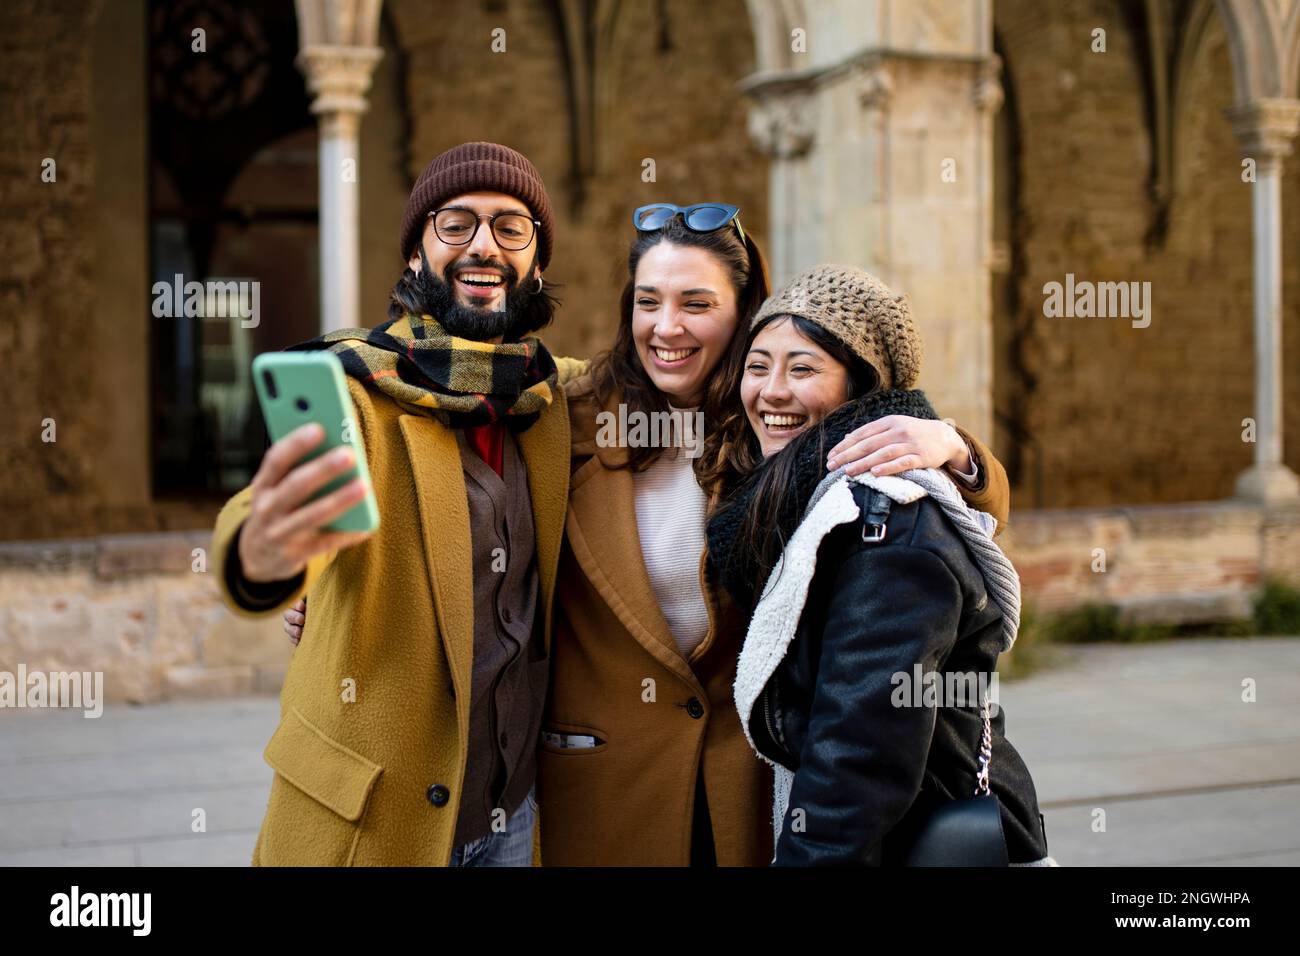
(866, 770)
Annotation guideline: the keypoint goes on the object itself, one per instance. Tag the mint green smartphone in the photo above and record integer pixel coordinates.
(295, 388)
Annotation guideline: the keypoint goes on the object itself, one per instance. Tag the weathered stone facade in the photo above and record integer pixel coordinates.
(1092, 174)
(1121, 414)
(1112, 414)
(657, 89)
(46, 264)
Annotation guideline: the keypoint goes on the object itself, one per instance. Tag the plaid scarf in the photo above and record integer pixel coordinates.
(458, 381)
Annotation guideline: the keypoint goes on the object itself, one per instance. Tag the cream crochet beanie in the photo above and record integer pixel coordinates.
(859, 310)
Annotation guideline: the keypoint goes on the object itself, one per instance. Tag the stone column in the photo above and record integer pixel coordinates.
(1266, 128)
(880, 132)
(337, 55)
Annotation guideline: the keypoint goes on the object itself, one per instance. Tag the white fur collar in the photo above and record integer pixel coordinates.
(776, 618)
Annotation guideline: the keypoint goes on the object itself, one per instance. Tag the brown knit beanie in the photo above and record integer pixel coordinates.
(478, 167)
(859, 310)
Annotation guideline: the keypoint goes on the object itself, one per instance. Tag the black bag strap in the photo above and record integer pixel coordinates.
(875, 523)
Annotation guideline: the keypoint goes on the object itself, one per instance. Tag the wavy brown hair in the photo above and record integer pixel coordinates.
(619, 368)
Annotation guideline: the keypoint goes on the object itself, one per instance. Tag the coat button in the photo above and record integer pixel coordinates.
(505, 614)
(695, 708)
(439, 795)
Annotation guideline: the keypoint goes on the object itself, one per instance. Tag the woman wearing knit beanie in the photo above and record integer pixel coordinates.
(642, 760)
(880, 604)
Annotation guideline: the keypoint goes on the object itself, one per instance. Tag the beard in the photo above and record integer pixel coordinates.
(436, 296)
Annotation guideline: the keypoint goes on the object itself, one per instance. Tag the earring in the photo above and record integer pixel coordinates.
(539, 286)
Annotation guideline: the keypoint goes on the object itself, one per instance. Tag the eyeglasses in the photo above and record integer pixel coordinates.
(701, 217)
(458, 227)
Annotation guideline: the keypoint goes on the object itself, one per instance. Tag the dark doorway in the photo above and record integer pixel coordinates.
(233, 198)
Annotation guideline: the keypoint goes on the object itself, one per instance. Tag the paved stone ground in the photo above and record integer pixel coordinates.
(1156, 735)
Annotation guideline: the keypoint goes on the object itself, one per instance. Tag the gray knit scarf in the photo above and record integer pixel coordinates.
(976, 529)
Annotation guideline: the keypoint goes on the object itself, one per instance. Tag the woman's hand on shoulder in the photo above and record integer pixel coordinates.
(897, 443)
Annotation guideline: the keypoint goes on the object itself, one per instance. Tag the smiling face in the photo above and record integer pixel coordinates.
(481, 274)
(789, 384)
(683, 317)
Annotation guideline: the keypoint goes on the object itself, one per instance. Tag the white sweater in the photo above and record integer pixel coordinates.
(670, 512)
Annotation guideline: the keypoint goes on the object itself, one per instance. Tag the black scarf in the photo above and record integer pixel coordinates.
(737, 565)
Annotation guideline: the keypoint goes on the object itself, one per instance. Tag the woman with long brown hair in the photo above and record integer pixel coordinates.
(643, 758)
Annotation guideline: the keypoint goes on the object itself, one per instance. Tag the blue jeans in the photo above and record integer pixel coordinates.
(511, 847)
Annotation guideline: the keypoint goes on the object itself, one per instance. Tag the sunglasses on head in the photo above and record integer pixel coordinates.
(700, 217)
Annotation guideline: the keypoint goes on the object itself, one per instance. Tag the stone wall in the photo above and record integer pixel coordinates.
(46, 260)
(1158, 563)
(1121, 414)
(135, 608)
(1114, 414)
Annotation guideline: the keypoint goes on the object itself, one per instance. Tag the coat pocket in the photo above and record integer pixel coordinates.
(599, 739)
(318, 796)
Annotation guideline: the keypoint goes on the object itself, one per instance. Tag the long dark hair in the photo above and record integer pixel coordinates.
(619, 368)
(772, 506)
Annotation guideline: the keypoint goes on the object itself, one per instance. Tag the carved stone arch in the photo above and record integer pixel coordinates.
(598, 40)
(1255, 42)
(1291, 49)
(586, 32)
(1202, 25)
(609, 16)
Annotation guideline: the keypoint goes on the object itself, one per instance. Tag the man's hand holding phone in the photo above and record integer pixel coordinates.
(284, 528)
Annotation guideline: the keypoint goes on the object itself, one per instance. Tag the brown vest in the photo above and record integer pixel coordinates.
(510, 668)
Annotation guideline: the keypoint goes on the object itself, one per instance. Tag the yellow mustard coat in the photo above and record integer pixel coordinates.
(375, 704)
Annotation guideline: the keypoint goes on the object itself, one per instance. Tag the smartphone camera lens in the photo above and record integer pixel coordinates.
(301, 404)
(269, 380)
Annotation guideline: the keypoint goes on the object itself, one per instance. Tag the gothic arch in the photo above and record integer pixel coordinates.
(1262, 39)
(1291, 50)
(1202, 27)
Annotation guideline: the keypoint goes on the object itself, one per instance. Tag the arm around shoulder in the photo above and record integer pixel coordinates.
(991, 491)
